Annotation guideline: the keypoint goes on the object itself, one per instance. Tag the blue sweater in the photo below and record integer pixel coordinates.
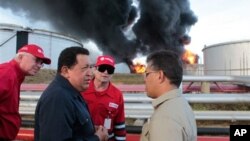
(61, 114)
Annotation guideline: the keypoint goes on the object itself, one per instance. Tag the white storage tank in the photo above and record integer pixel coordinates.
(12, 36)
(229, 58)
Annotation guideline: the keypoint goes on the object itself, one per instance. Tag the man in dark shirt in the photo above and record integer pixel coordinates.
(61, 113)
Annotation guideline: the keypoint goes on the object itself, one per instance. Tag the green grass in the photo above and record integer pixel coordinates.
(127, 78)
(46, 76)
(222, 107)
(43, 76)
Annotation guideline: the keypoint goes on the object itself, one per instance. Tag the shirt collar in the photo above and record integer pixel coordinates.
(166, 96)
(65, 82)
(91, 89)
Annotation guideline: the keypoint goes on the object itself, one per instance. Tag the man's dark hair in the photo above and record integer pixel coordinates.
(68, 56)
(170, 63)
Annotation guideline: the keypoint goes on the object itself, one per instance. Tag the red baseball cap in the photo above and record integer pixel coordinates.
(105, 60)
(36, 51)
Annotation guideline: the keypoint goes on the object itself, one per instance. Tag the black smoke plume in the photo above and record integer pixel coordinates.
(161, 24)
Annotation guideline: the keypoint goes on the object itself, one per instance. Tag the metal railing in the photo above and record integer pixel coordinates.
(139, 87)
(139, 106)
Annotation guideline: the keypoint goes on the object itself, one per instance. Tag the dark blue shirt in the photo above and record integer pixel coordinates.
(62, 114)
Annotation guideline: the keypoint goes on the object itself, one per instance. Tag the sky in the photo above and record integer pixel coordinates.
(218, 21)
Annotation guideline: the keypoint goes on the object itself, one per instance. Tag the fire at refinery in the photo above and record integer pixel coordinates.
(138, 65)
(188, 57)
(190, 63)
(139, 68)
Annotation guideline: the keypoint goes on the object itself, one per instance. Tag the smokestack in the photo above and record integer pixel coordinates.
(161, 24)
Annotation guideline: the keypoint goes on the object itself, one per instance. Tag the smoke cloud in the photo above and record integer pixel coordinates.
(161, 24)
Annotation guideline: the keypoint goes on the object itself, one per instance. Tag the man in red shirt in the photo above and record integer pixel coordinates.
(105, 101)
(27, 62)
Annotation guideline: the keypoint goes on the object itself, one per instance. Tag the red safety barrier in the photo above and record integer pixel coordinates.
(33, 87)
(131, 88)
(28, 135)
(25, 134)
(213, 138)
(136, 137)
(230, 88)
(124, 88)
(41, 87)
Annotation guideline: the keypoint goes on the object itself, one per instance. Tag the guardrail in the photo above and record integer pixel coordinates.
(191, 87)
(186, 78)
(139, 106)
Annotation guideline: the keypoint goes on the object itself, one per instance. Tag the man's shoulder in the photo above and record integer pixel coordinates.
(6, 67)
(56, 95)
(7, 72)
(55, 88)
(115, 90)
(114, 87)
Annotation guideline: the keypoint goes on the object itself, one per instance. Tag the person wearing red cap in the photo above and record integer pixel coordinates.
(105, 101)
(27, 62)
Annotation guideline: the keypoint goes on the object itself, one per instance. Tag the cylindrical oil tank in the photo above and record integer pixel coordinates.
(229, 58)
(51, 42)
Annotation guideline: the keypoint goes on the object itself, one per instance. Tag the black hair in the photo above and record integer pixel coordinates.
(169, 62)
(68, 56)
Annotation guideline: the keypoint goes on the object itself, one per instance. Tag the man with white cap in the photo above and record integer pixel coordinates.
(105, 101)
(27, 62)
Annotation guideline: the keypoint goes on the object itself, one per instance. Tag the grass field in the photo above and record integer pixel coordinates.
(46, 76)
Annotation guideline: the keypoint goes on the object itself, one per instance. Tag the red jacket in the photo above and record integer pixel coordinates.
(11, 78)
(108, 104)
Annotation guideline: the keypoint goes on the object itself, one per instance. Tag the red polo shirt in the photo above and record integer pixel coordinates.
(108, 104)
(11, 78)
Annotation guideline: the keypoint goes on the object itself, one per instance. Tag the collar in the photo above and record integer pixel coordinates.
(166, 96)
(66, 84)
(91, 89)
(20, 74)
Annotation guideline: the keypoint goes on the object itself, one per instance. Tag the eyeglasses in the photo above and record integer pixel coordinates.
(146, 74)
(103, 68)
(38, 61)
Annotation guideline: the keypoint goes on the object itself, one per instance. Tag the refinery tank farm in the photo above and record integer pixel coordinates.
(220, 83)
(15, 36)
(228, 58)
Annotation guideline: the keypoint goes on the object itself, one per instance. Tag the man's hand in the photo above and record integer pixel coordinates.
(102, 133)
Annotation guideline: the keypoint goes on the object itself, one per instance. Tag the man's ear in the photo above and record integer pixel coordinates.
(65, 71)
(19, 57)
(161, 76)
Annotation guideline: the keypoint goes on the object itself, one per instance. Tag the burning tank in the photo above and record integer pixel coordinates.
(191, 64)
(189, 59)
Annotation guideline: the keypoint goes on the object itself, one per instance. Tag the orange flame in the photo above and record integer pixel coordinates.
(189, 57)
(139, 68)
